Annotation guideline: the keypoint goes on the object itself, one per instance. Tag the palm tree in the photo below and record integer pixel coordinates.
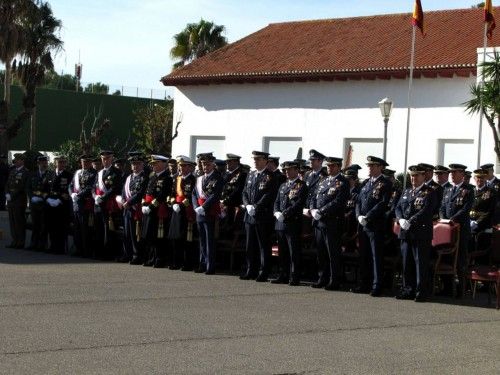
(486, 97)
(197, 40)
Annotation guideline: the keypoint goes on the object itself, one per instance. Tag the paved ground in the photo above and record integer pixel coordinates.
(65, 315)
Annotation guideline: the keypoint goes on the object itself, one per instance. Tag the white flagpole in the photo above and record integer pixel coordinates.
(412, 63)
(480, 130)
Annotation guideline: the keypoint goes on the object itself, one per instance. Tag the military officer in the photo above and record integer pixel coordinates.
(156, 213)
(59, 206)
(97, 164)
(17, 197)
(121, 165)
(220, 166)
(327, 209)
(455, 206)
(4, 176)
(442, 174)
(130, 201)
(314, 176)
(350, 221)
(81, 188)
(231, 199)
(273, 163)
(288, 206)
(205, 198)
(199, 169)
(37, 193)
(108, 186)
(414, 213)
(259, 194)
(370, 210)
(173, 168)
(183, 215)
(438, 189)
(493, 183)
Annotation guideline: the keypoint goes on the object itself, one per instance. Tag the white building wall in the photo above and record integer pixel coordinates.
(324, 114)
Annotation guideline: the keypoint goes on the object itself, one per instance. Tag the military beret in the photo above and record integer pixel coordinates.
(375, 160)
(388, 172)
(487, 166)
(19, 156)
(232, 157)
(274, 159)
(351, 173)
(441, 169)
(332, 160)
(204, 154)
(106, 153)
(427, 167)
(42, 158)
(158, 158)
(416, 169)
(354, 167)
(260, 154)
(289, 164)
(313, 154)
(457, 167)
(481, 172)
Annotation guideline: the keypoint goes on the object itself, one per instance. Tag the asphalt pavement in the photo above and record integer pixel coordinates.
(66, 315)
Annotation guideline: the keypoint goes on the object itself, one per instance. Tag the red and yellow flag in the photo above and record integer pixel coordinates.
(489, 18)
(418, 16)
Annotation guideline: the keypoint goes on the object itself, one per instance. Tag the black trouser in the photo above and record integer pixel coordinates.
(58, 219)
(328, 245)
(371, 254)
(289, 245)
(83, 228)
(183, 251)
(156, 243)
(258, 244)
(17, 221)
(416, 254)
(131, 240)
(207, 245)
(38, 230)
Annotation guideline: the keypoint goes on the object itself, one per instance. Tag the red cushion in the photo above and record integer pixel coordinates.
(444, 234)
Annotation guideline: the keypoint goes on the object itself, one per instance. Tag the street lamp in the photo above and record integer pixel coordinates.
(385, 106)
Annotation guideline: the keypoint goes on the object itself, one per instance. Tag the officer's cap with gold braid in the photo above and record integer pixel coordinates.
(289, 164)
(375, 160)
(487, 166)
(427, 167)
(260, 154)
(441, 169)
(457, 167)
(158, 158)
(388, 172)
(332, 160)
(416, 169)
(232, 157)
(481, 173)
(313, 154)
(185, 160)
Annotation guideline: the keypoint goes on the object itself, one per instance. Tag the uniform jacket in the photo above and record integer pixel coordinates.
(18, 185)
(456, 205)
(209, 197)
(290, 201)
(417, 208)
(59, 184)
(112, 180)
(372, 202)
(40, 184)
(158, 190)
(330, 200)
(350, 210)
(483, 208)
(438, 191)
(234, 183)
(136, 186)
(312, 180)
(260, 191)
(84, 188)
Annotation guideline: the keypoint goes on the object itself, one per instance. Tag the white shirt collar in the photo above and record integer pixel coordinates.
(458, 185)
(208, 175)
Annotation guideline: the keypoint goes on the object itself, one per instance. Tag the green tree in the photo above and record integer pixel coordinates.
(197, 40)
(153, 128)
(97, 88)
(53, 80)
(486, 97)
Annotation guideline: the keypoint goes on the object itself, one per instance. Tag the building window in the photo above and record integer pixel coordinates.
(362, 148)
(456, 151)
(284, 147)
(205, 143)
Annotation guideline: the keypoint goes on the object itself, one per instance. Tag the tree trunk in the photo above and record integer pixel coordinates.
(6, 82)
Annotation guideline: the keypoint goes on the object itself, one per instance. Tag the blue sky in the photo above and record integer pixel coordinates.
(127, 42)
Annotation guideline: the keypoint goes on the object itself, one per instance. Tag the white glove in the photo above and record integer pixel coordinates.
(200, 211)
(119, 199)
(50, 202)
(405, 224)
(473, 225)
(176, 208)
(279, 216)
(36, 199)
(306, 212)
(74, 197)
(56, 202)
(98, 200)
(362, 220)
(146, 210)
(250, 209)
(315, 214)
(7, 197)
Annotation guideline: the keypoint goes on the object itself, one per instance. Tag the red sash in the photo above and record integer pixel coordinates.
(214, 209)
(111, 204)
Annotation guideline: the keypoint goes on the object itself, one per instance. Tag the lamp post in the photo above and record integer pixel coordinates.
(385, 106)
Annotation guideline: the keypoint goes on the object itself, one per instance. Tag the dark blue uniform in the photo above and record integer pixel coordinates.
(350, 221)
(59, 216)
(416, 206)
(372, 202)
(312, 180)
(438, 197)
(260, 191)
(234, 183)
(207, 195)
(290, 201)
(330, 200)
(37, 192)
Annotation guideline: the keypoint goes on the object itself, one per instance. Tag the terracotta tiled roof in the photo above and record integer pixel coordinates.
(345, 48)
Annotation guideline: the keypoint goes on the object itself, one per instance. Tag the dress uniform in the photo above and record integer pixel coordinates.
(288, 206)
(81, 189)
(17, 199)
(156, 213)
(327, 209)
(130, 200)
(391, 243)
(273, 163)
(231, 200)
(438, 189)
(442, 174)
(350, 221)
(59, 207)
(108, 186)
(4, 176)
(456, 206)
(414, 213)
(259, 194)
(183, 220)
(37, 193)
(313, 177)
(205, 198)
(493, 183)
(370, 211)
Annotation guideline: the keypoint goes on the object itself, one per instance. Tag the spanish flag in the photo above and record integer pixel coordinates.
(489, 18)
(418, 16)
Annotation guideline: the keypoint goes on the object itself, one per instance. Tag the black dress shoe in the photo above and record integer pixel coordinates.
(376, 292)
(199, 270)
(294, 282)
(159, 265)
(280, 280)
(405, 295)
(262, 278)
(333, 286)
(173, 267)
(361, 290)
(211, 272)
(319, 284)
(247, 276)
(122, 260)
(186, 268)
(419, 297)
(135, 261)
(148, 264)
